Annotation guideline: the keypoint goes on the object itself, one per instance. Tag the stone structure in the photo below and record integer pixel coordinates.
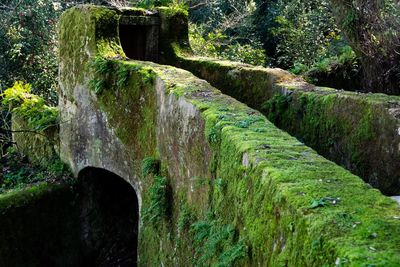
(216, 182)
(139, 36)
(358, 131)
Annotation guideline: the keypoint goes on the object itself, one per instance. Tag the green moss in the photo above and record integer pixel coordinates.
(263, 182)
(40, 225)
(323, 118)
(126, 88)
(86, 31)
(34, 124)
(277, 185)
(73, 26)
(134, 11)
(107, 39)
(19, 197)
(173, 32)
(39, 145)
(172, 11)
(339, 125)
(270, 181)
(350, 132)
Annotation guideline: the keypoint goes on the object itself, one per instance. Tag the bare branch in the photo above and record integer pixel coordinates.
(199, 5)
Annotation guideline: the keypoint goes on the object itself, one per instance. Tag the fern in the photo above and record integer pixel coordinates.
(216, 244)
(158, 205)
(150, 165)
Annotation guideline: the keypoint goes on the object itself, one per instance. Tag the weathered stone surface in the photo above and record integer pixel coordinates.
(41, 147)
(96, 144)
(238, 191)
(357, 131)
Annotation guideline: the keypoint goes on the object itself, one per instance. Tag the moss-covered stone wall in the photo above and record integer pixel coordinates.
(40, 146)
(61, 222)
(357, 131)
(262, 196)
(39, 226)
(218, 184)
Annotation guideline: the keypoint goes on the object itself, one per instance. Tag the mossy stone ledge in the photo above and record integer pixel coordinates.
(238, 190)
(358, 131)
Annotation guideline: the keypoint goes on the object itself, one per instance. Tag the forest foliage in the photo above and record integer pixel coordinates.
(306, 37)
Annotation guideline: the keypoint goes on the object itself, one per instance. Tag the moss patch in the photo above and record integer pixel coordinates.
(267, 199)
(353, 131)
(39, 226)
(99, 29)
(19, 197)
(357, 131)
(264, 193)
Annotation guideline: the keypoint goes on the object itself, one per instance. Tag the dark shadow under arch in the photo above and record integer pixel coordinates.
(139, 37)
(109, 216)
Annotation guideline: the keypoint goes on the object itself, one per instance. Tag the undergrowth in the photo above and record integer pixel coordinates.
(18, 172)
(158, 204)
(216, 244)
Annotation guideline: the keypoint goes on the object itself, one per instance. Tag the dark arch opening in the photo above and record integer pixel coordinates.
(109, 216)
(139, 37)
(133, 41)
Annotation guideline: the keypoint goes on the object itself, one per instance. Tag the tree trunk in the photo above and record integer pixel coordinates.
(373, 30)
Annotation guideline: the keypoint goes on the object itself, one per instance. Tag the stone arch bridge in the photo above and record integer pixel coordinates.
(217, 183)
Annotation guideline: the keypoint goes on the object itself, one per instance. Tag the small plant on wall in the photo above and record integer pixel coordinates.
(158, 203)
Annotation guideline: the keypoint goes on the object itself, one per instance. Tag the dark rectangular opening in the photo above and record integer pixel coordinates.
(139, 37)
(133, 41)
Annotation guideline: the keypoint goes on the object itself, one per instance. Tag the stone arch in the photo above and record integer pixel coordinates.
(110, 218)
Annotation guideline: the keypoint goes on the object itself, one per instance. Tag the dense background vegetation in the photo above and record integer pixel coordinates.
(303, 36)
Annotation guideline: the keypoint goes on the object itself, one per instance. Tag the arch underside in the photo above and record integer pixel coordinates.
(109, 218)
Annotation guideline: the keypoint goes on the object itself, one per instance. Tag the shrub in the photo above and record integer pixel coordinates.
(28, 44)
(219, 45)
(305, 31)
(29, 106)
